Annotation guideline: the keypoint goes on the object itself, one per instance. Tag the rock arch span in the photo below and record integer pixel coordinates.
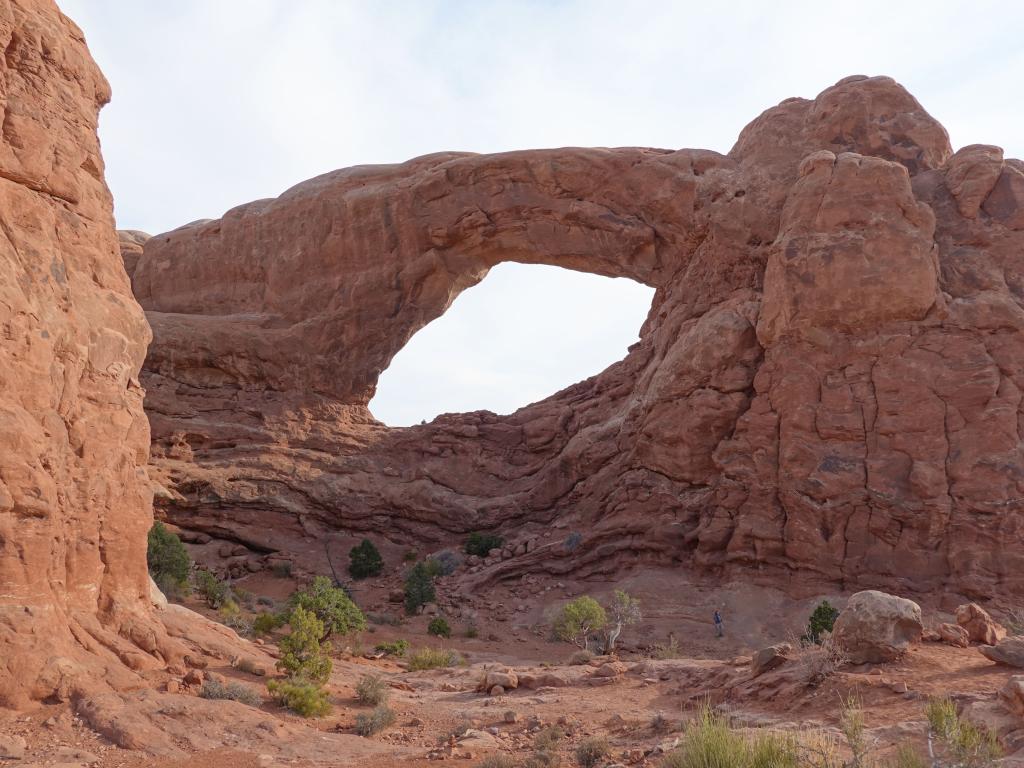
(827, 386)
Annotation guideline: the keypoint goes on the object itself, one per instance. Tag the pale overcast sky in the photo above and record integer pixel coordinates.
(217, 102)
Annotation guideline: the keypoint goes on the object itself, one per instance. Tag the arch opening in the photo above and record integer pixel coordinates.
(525, 332)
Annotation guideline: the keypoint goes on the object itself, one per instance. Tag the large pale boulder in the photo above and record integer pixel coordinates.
(877, 627)
(1009, 651)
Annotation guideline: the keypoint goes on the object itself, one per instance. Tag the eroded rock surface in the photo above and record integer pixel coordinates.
(75, 504)
(828, 385)
(876, 627)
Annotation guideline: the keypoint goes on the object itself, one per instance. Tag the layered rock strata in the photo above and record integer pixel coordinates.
(827, 387)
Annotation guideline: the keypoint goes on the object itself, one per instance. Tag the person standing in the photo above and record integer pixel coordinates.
(719, 627)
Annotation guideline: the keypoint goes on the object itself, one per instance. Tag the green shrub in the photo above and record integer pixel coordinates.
(711, 742)
(169, 563)
(822, 620)
(906, 757)
(395, 648)
(410, 556)
(439, 627)
(591, 751)
(480, 544)
(231, 616)
(963, 742)
(302, 655)
(669, 650)
(388, 619)
(419, 589)
(578, 619)
(235, 691)
(371, 689)
(266, 622)
(369, 723)
(545, 748)
(579, 658)
(282, 569)
(432, 658)
(365, 560)
(332, 606)
(244, 597)
(497, 761)
(301, 697)
(213, 590)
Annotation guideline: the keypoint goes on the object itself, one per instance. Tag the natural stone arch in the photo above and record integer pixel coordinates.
(765, 419)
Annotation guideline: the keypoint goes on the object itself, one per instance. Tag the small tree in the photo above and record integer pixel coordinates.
(365, 560)
(332, 606)
(302, 655)
(624, 611)
(578, 619)
(419, 589)
(303, 698)
(481, 544)
(822, 620)
(169, 563)
(439, 627)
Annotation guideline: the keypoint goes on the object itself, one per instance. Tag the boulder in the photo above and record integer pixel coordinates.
(610, 669)
(769, 658)
(542, 680)
(877, 627)
(1008, 651)
(156, 596)
(954, 634)
(979, 625)
(1012, 695)
(506, 679)
(12, 747)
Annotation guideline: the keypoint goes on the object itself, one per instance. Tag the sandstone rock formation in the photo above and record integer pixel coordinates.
(954, 634)
(876, 627)
(131, 242)
(828, 386)
(75, 505)
(979, 625)
(1008, 651)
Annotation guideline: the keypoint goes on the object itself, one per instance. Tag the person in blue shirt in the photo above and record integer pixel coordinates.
(719, 627)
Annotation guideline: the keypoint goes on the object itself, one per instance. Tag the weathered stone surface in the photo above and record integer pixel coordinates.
(954, 634)
(979, 625)
(131, 242)
(1012, 695)
(506, 679)
(769, 658)
(1008, 651)
(876, 627)
(75, 504)
(828, 386)
(971, 174)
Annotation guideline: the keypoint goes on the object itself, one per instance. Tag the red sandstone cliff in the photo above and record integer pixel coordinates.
(75, 504)
(828, 385)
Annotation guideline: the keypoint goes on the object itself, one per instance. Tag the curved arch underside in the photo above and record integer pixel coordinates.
(828, 385)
